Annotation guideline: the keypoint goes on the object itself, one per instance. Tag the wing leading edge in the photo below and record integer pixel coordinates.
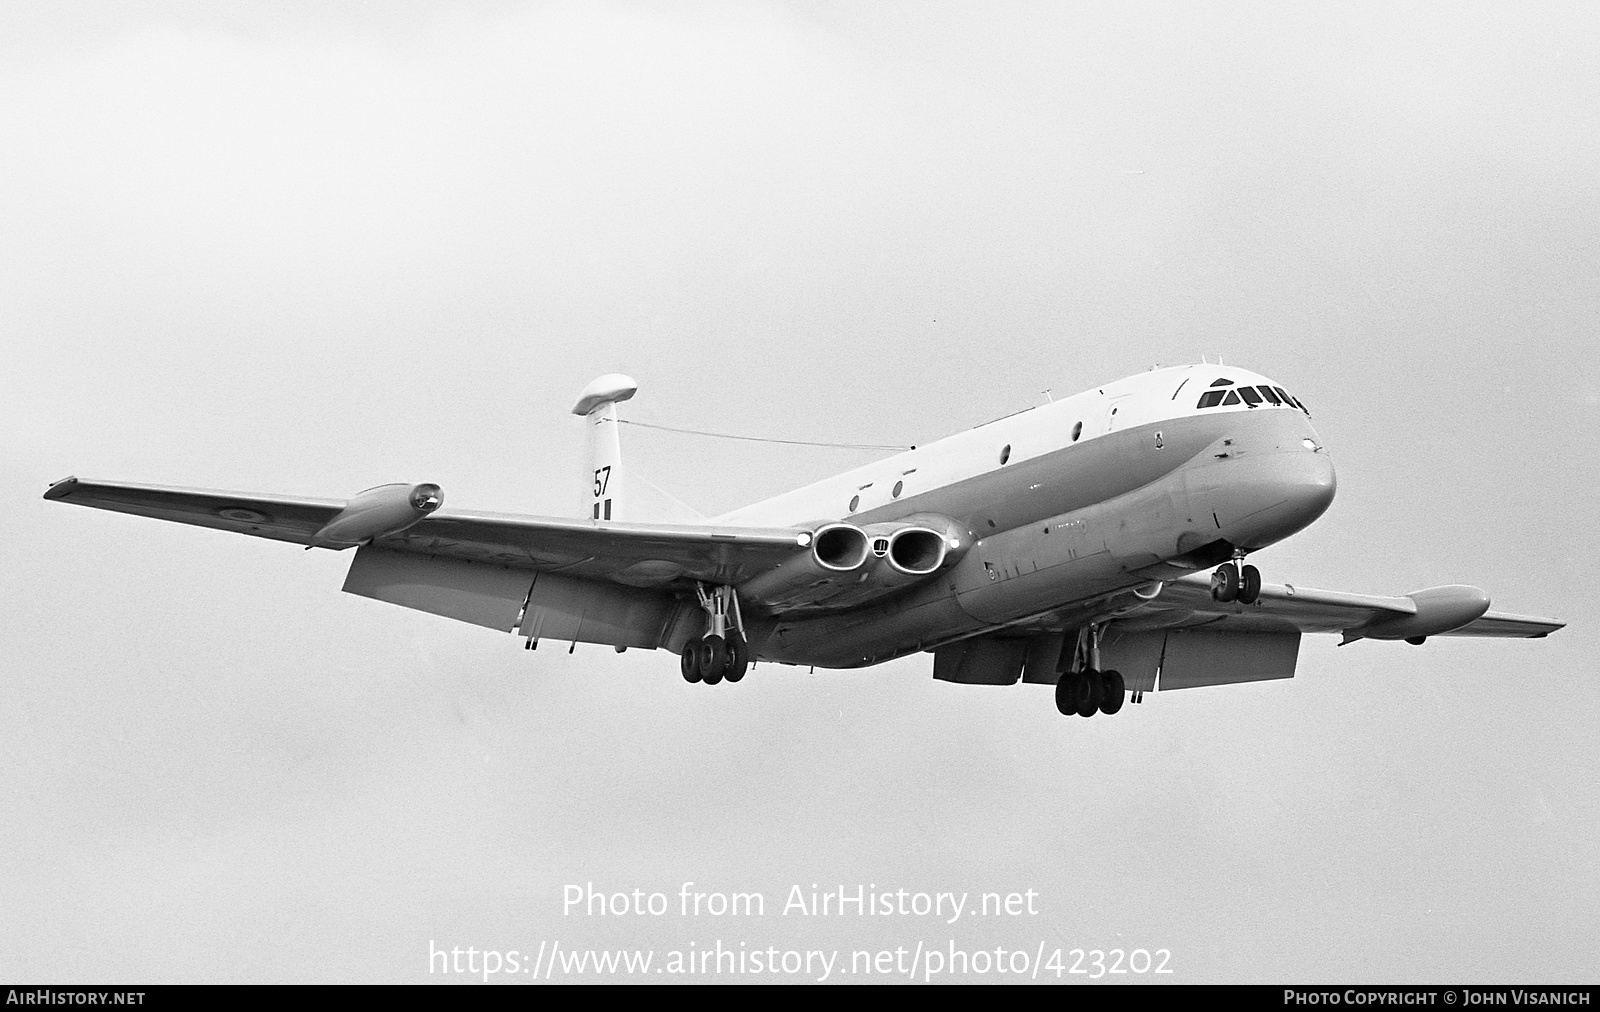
(1440, 611)
(282, 518)
(577, 557)
(665, 556)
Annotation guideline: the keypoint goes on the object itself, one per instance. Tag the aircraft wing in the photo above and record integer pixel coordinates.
(282, 518)
(1508, 626)
(665, 556)
(1186, 602)
(1192, 640)
(634, 554)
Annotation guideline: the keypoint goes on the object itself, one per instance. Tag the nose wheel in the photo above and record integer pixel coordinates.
(1232, 582)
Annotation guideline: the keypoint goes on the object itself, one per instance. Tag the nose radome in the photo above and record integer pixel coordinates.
(1298, 485)
(1308, 486)
(1315, 490)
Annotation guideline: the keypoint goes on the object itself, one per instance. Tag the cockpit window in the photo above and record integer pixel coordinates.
(1254, 396)
(1222, 383)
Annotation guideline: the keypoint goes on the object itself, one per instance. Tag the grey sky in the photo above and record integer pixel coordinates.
(308, 249)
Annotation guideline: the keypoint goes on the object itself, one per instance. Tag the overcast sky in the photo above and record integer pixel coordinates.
(308, 248)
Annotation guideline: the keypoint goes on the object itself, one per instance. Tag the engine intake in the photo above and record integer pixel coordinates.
(848, 565)
(917, 551)
(839, 547)
(918, 545)
(837, 551)
(377, 513)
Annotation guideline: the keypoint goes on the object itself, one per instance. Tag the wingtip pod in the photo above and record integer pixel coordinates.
(1439, 610)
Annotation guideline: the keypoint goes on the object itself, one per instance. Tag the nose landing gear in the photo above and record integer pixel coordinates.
(1083, 688)
(723, 652)
(1232, 582)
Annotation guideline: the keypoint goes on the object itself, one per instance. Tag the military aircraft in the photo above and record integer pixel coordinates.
(1064, 545)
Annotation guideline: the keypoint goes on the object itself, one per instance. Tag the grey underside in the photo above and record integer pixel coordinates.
(1148, 660)
(565, 609)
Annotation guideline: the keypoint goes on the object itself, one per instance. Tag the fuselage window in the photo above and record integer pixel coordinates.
(1266, 392)
(855, 501)
(1210, 399)
(1077, 430)
(1005, 453)
(897, 487)
(1222, 383)
(1232, 398)
(1250, 396)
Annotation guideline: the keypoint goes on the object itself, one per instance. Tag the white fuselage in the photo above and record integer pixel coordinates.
(1090, 495)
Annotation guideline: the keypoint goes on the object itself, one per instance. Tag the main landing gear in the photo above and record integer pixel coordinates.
(714, 658)
(1083, 688)
(723, 652)
(1232, 582)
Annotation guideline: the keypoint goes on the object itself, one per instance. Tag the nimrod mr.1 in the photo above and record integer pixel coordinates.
(1066, 545)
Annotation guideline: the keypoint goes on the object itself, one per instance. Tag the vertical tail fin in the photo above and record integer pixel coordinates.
(607, 488)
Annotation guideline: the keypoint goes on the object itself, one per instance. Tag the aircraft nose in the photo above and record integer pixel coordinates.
(1306, 482)
(1289, 490)
(1312, 490)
